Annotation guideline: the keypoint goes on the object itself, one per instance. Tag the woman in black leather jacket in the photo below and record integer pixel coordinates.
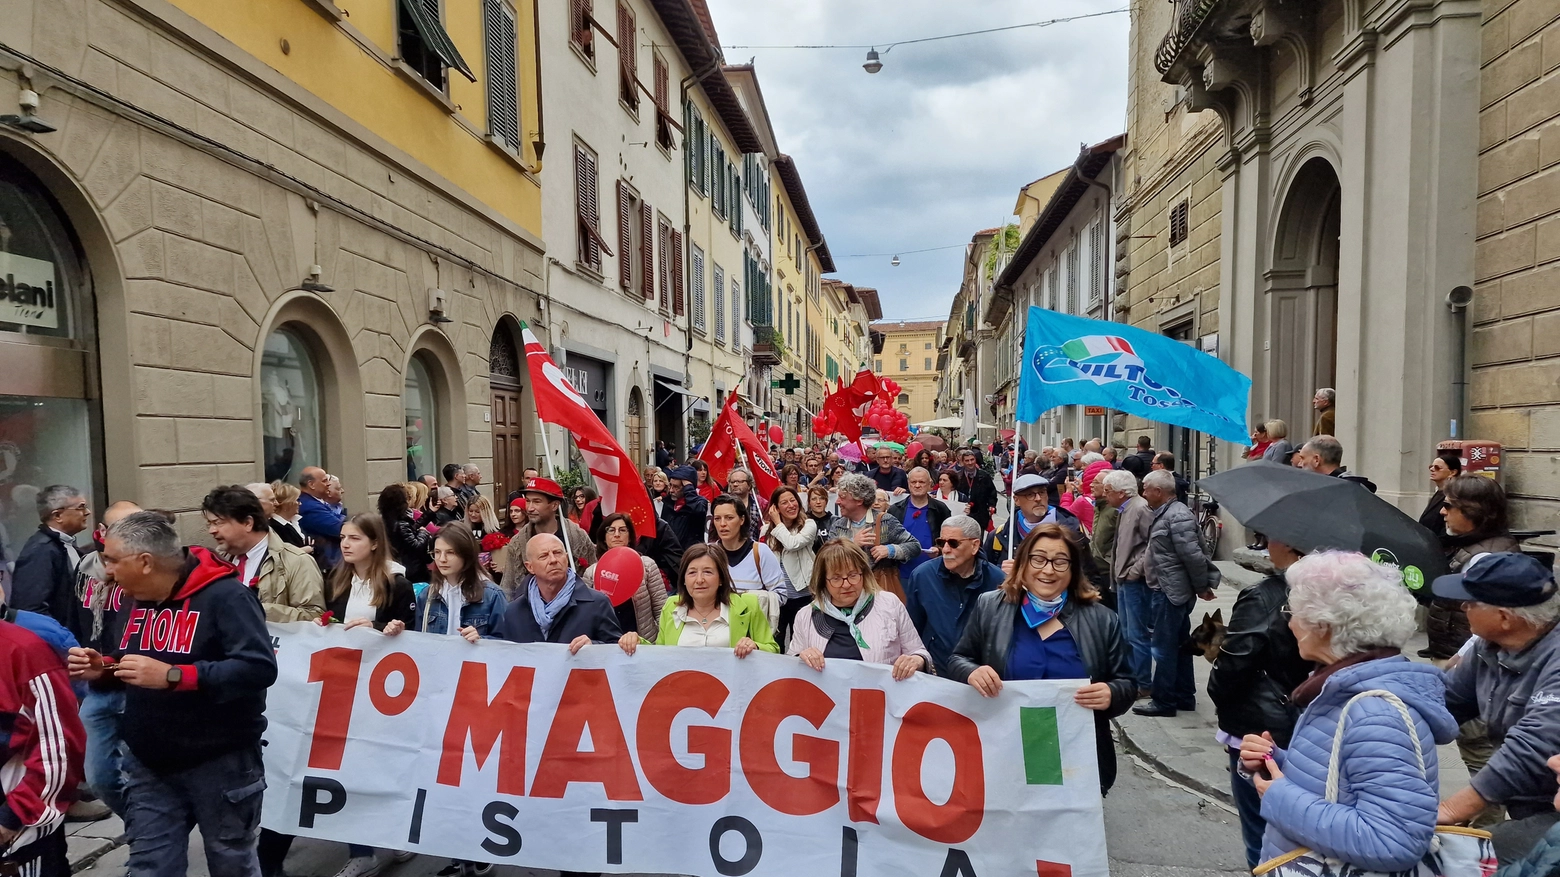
(1259, 664)
(1046, 622)
(410, 545)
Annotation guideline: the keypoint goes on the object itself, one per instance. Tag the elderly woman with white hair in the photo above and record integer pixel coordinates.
(879, 534)
(1358, 783)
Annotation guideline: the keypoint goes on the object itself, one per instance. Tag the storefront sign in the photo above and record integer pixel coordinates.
(27, 292)
(674, 761)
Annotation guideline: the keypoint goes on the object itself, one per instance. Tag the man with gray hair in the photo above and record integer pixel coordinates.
(44, 579)
(880, 535)
(940, 595)
(1177, 571)
(1509, 677)
(471, 478)
(1129, 556)
(1324, 456)
(195, 660)
(1323, 403)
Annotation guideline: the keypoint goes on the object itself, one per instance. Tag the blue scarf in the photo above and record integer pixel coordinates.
(1037, 611)
(547, 613)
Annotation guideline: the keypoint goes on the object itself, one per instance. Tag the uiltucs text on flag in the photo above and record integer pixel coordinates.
(1077, 361)
(673, 761)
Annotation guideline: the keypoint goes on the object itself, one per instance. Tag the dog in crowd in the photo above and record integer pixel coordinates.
(1207, 637)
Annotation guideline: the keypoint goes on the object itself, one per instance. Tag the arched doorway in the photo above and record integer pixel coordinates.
(505, 369)
(636, 428)
(1302, 297)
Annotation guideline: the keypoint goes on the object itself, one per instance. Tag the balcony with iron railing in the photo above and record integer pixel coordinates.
(1187, 20)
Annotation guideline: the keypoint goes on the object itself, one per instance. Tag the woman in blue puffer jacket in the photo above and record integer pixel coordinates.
(1352, 617)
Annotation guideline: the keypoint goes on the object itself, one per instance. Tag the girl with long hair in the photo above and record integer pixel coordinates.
(458, 589)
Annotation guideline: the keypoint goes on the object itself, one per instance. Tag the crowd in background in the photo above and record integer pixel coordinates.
(1090, 572)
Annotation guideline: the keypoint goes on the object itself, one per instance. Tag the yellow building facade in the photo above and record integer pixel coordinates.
(909, 357)
(284, 233)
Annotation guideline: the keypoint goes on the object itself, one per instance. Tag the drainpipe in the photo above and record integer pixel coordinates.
(1458, 300)
(540, 143)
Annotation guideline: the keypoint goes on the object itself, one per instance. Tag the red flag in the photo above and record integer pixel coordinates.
(618, 483)
(765, 478)
(720, 449)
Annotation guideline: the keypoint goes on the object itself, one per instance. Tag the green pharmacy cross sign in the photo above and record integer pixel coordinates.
(789, 383)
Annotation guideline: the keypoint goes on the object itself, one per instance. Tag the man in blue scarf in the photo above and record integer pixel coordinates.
(553, 606)
(1034, 508)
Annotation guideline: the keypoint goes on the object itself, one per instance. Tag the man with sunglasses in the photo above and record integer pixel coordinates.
(940, 595)
(45, 576)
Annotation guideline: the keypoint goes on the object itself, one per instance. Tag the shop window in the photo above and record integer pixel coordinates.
(50, 423)
(422, 422)
(289, 407)
(43, 441)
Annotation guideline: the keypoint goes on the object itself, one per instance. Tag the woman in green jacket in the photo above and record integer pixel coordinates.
(708, 611)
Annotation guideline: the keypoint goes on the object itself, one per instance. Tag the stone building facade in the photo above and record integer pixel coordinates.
(1514, 345)
(250, 277)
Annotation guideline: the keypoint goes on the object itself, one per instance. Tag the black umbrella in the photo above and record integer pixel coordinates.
(1311, 512)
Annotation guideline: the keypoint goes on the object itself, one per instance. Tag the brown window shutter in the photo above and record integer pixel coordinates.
(587, 208)
(663, 244)
(661, 84)
(580, 32)
(678, 305)
(628, 62)
(647, 250)
(625, 237)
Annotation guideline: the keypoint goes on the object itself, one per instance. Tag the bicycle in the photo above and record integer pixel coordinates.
(1210, 527)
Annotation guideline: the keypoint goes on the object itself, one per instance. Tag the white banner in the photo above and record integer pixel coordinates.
(674, 761)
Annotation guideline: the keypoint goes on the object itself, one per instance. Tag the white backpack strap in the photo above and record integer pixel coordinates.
(1337, 745)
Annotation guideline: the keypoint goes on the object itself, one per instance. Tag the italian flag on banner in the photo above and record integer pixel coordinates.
(617, 481)
(1080, 349)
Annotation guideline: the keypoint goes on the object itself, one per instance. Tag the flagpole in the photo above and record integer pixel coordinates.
(563, 519)
(1013, 494)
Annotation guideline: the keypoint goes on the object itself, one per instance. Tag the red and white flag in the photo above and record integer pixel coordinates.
(617, 481)
(720, 451)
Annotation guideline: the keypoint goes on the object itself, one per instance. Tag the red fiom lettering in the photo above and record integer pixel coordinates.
(685, 689)
(864, 771)
(957, 820)
(337, 671)
(586, 702)
(473, 715)
(796, 796)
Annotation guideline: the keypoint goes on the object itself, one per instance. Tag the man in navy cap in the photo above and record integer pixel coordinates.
(1510, 678)
(684, 509)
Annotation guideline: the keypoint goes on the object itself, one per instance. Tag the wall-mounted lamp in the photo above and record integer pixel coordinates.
(312, 282)
(436, 306)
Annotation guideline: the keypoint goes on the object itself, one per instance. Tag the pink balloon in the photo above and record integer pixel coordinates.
(619, 573)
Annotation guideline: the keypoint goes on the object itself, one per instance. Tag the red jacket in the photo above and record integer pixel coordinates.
(41, 739)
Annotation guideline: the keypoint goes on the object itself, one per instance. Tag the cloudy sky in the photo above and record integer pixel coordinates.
(936, 145)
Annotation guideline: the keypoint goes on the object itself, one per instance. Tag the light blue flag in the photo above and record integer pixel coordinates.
(1077, 361)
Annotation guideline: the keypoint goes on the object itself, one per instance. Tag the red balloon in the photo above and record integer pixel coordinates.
(913, 448)
(777, 435)
(799, 438)
(619, 573)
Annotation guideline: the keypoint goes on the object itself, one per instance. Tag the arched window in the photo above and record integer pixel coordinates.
(290, 422)
(49, 417)
(422, 422)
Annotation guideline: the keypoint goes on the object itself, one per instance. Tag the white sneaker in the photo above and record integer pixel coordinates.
(401, 857)
(364, 866)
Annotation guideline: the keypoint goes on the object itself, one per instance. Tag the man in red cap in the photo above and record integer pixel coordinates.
(543, 500)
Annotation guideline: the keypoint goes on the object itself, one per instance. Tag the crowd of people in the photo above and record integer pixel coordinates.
(1093, 577)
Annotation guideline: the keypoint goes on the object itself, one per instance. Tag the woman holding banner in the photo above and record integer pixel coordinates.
(709, 612)
(849, 618)
(1046, 622)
